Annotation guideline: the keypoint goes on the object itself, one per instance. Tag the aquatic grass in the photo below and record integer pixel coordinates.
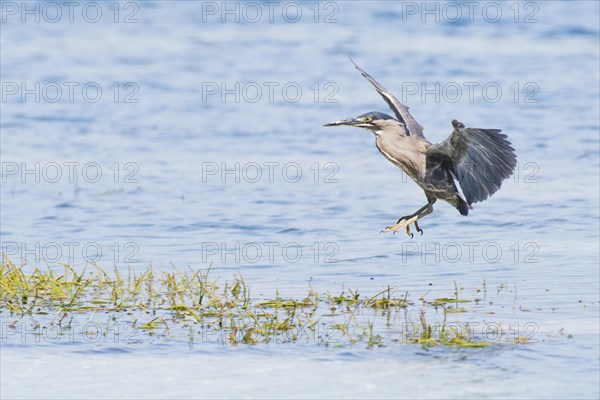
(170, 302)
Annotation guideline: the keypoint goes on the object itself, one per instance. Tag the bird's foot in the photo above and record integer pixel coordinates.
(404, 223)
(418, 228)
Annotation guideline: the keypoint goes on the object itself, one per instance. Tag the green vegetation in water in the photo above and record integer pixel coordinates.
(167, 304)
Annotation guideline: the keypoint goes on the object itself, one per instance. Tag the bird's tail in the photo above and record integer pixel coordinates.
(462, 206)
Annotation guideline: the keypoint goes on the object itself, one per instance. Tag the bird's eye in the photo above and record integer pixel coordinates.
(368, 119)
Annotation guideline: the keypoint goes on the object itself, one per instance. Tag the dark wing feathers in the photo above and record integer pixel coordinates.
(401, 111)
(481, 159)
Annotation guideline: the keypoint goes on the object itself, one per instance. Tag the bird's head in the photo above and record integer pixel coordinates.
(374, 120)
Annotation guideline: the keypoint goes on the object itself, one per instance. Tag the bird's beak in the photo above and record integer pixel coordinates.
(349, 121)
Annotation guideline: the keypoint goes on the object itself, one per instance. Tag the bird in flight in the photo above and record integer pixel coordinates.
(476, 159)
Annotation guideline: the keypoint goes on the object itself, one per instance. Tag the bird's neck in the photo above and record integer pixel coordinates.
(392, 129)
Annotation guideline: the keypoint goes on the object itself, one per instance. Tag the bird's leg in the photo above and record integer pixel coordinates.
(404, 222)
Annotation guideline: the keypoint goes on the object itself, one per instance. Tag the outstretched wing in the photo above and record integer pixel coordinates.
(480, 158)
(401, 111)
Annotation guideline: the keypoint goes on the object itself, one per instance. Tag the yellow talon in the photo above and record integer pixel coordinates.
(402, 224)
